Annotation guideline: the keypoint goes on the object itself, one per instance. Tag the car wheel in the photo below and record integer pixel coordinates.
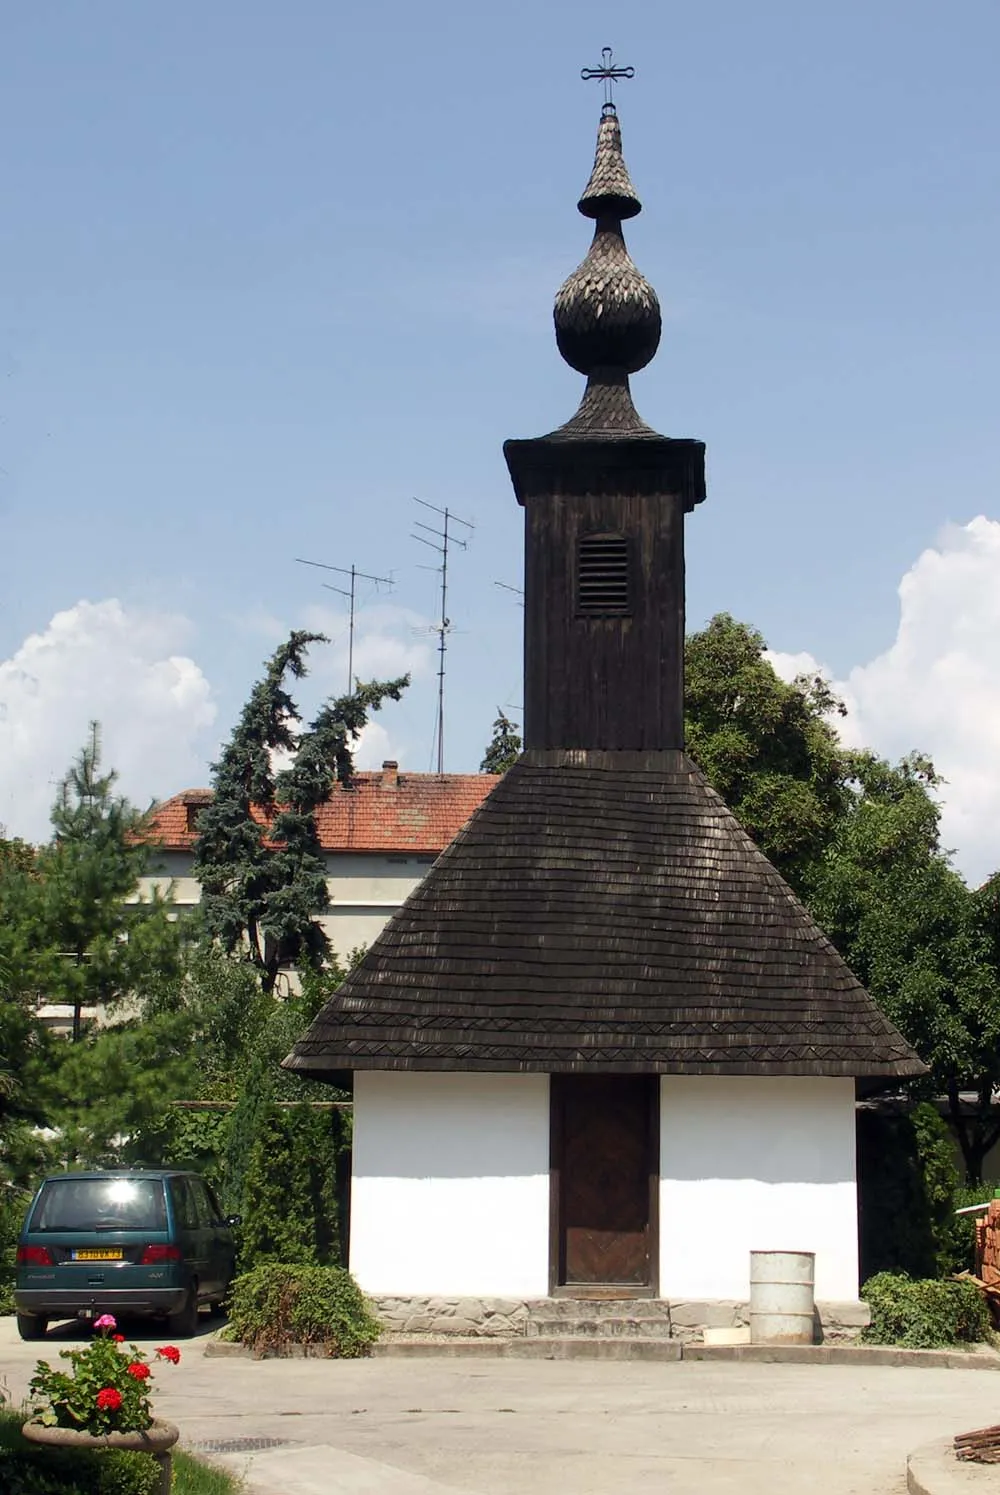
(184, 1323)
(29, 1326)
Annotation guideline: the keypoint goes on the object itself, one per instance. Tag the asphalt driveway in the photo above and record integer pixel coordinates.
(510, 1427)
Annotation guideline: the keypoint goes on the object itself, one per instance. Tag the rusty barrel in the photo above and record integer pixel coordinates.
(782, 1300)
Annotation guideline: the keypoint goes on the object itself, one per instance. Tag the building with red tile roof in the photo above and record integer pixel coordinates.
(380, 837)
(386, 811)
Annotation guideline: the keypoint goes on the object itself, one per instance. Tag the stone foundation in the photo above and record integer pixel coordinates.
(479, 1317)
(504, 1318)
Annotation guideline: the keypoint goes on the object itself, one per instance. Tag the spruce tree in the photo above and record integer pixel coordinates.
(258, 856)
(505, 746)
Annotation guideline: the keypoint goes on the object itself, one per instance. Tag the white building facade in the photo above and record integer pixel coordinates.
(458, 1167)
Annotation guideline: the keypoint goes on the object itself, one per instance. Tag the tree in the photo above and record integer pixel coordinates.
(20, 938)
(290, 1186)
(917, 938)
(258, 855)
(766, 746)
(15, 854)
(106, 1092)
(74, 931)
(858, 839)
(504, 748)
(98, 943)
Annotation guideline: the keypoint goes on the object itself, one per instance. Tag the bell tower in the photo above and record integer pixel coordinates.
(604, 499)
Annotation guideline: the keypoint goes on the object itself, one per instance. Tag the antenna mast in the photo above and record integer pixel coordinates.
(351, 595)
(441, 540)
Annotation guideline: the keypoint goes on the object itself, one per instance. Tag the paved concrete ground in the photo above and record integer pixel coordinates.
(484, 1427)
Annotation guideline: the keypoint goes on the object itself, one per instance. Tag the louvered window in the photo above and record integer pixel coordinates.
(602, 589)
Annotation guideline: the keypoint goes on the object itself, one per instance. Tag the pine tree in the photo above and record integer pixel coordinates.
(505, 746)
(97, 942)
(258, 856)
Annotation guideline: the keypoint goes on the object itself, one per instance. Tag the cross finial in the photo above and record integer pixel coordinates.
(608, 73)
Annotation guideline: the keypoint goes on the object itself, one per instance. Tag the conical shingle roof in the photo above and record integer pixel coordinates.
(604, 912)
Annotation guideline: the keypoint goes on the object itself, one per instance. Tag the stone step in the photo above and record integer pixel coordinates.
(604, 1327)
(593, 1308)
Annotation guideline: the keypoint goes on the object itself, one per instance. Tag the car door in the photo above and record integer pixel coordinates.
(225, 1241)
(195, 1238)
(210, 1222)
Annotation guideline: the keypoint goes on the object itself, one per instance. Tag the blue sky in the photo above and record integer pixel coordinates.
(267, 272)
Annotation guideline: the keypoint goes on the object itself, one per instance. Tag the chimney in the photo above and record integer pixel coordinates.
(390, 774)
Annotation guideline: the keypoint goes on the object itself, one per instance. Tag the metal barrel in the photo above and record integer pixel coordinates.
(782, 1301)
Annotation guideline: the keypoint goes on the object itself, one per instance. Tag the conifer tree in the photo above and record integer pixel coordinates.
(95, 946)
(505, 746)
(258, 855)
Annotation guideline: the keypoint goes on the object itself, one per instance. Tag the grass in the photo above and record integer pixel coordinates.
(192, 1477)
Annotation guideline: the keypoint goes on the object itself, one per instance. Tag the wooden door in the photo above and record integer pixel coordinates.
(605, 1180)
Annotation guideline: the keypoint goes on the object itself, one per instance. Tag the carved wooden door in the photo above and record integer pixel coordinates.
(605, 1156)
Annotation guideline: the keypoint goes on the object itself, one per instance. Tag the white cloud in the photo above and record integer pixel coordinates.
(373, 747)
(122, 667)
(937, 687)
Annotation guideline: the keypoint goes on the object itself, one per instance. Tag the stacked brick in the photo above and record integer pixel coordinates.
(988, 1247)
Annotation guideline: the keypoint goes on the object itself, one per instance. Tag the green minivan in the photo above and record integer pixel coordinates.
(151, 1243)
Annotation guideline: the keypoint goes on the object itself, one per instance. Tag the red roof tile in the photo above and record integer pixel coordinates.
(386, 811)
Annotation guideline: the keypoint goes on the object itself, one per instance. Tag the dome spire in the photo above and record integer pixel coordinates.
(607, 316)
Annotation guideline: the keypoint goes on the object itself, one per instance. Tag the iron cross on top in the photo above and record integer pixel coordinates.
(609, 75)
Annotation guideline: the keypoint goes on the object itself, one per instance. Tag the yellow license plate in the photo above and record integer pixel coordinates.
(97, 1255)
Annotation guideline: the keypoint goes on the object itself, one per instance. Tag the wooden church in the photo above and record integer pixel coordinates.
(602, 1049)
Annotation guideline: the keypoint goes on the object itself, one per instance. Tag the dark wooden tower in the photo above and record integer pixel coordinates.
(604, 500)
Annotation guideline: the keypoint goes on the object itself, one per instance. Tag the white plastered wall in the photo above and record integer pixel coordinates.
(450, 1184)
(756, 1164)
(366, 889)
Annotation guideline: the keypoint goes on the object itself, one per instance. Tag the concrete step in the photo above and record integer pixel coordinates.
(604, 1327)
(537, 1347)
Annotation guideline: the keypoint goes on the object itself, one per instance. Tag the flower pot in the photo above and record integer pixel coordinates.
(157, 1440)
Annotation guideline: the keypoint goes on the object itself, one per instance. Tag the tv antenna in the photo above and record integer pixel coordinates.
(441, 540)
(351, 595)
(518, 591)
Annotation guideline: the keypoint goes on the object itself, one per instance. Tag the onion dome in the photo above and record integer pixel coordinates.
(607, 316)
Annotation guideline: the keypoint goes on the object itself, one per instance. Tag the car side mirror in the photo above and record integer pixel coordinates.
(233, 1221)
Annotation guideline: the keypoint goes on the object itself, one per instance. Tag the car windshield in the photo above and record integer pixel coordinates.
(100, 1204)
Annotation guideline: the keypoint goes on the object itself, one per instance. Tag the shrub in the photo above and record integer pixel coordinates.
(280, 1304)
(26, 1469)
(924, 1314)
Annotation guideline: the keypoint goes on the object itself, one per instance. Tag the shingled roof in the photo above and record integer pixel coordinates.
(604, 911)
(387, 811)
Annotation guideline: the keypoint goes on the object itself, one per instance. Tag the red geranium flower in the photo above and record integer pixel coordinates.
(138, 1370)
(118, 1338)
(169, 1352)
(109, 1400)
